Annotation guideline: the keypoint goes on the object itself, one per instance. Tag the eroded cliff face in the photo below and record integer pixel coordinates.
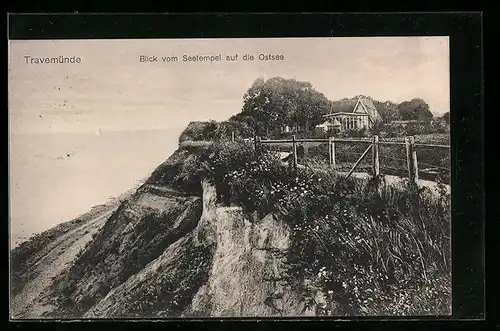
(162, 254)
(248, 274)
(227, 266)
(165, 287)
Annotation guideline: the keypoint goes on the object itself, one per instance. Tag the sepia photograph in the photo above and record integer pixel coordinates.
(229, 178)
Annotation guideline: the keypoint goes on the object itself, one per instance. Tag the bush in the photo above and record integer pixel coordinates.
(212, 130)
(240, 174)
(199, 131)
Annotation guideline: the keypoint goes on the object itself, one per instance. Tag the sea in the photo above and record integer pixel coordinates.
(55, 177)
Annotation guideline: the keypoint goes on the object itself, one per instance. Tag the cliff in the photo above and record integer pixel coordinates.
(160, 253)
(224, 230)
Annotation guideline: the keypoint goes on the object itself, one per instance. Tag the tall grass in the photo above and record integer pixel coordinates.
(373, 249)
(369, 247)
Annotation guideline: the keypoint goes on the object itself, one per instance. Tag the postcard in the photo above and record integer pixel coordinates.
(213, 178)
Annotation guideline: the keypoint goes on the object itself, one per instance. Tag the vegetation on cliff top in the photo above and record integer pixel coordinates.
(371, 248)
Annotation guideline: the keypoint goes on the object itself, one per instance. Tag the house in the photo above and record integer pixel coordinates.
(351, 114)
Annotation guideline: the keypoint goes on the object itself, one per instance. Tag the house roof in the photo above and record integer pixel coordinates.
(348, 106)
(371, 109)
(343, 106)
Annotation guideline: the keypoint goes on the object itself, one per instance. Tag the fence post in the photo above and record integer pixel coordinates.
(376, 162)
(414, 164)
(411, 159)
(294, 151)
(334, 162)
(330, 160)
(408, 156)
(331, 151)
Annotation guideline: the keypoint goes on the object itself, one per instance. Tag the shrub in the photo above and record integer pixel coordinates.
(239, 173)
(199, 131)
(212, 130)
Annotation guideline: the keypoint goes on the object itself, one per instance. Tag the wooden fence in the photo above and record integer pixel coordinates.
(373, 145)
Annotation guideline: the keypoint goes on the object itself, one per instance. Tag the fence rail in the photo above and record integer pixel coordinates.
(345, 140)
(373, 145)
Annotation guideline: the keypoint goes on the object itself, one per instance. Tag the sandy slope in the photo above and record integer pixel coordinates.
(57, 257)
(395, 181)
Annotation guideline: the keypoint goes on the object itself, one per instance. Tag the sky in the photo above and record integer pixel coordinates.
(111, 90)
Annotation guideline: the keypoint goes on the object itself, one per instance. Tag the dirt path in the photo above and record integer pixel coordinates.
(164, 190)
(395, 180)
(59, 256)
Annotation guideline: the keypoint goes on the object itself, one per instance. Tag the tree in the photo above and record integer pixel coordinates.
(269, 105)
(388, 110)
(415, 109)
